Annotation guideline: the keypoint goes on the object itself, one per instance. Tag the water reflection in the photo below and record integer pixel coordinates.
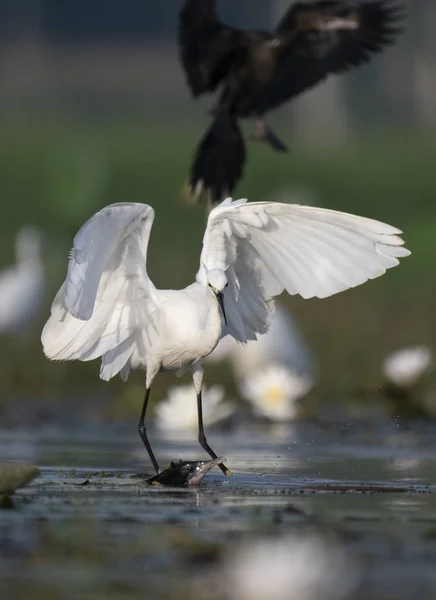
(408, 469)
(299, 566)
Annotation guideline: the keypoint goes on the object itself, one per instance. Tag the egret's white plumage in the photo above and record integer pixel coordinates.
(107, 306)
(267, 247)
(22, 285)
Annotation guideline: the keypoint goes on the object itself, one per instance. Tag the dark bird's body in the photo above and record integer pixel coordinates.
(257, 71)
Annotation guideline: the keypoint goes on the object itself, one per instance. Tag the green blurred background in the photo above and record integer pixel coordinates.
(94, 110)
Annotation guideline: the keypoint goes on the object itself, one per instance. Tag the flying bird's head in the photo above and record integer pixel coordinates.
(217, 282)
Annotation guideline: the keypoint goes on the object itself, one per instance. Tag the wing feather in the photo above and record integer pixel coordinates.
(117, 358)
(324, 37)
(207, 46)
(107, 294)
(268, 247)
(107, 236)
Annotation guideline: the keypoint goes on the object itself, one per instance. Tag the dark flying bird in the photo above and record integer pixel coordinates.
(257, 71)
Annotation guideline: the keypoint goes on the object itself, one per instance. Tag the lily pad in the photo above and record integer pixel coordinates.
(15, 475)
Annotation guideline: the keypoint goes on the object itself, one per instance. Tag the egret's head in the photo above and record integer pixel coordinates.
(217, 280)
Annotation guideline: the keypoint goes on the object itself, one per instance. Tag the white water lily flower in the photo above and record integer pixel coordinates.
(405, 367)
(178, 411)
(274, 391)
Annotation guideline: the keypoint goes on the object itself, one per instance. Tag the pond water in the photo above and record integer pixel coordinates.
(361, 491)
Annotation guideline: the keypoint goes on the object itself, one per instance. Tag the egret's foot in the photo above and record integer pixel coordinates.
(146, 476)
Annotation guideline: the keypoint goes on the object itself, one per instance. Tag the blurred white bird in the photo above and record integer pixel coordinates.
(283, 344)
(22, 286)
(405, 367)
(178, 411)
(274, 392)
(405, 383)
(107, 306)
(303, 566)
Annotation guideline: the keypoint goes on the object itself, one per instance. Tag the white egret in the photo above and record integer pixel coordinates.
(108, 307)
(22, 285)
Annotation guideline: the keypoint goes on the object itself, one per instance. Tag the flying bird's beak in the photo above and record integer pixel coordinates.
(220, 298)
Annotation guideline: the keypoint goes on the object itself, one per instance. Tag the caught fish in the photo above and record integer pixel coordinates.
(184, 473)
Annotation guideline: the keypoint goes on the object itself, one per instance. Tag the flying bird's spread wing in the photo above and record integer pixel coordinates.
(207, 47)
(268, 247)
(325, 37)
(100, 306)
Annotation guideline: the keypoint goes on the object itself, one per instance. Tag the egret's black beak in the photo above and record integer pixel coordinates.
(220, 298)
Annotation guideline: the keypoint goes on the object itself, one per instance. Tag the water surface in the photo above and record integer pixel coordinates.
(86, 528)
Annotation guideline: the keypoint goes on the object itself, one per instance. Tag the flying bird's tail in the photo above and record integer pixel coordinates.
(219, 161)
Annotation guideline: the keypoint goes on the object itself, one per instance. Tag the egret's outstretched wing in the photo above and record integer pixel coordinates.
(104, 302)
(207, 47)
(328, 36)
(268, 247)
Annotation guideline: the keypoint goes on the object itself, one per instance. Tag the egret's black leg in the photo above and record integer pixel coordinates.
(202, 438)
(143, 432)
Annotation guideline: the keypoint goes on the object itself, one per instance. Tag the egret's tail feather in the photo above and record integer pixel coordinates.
(219, 161)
